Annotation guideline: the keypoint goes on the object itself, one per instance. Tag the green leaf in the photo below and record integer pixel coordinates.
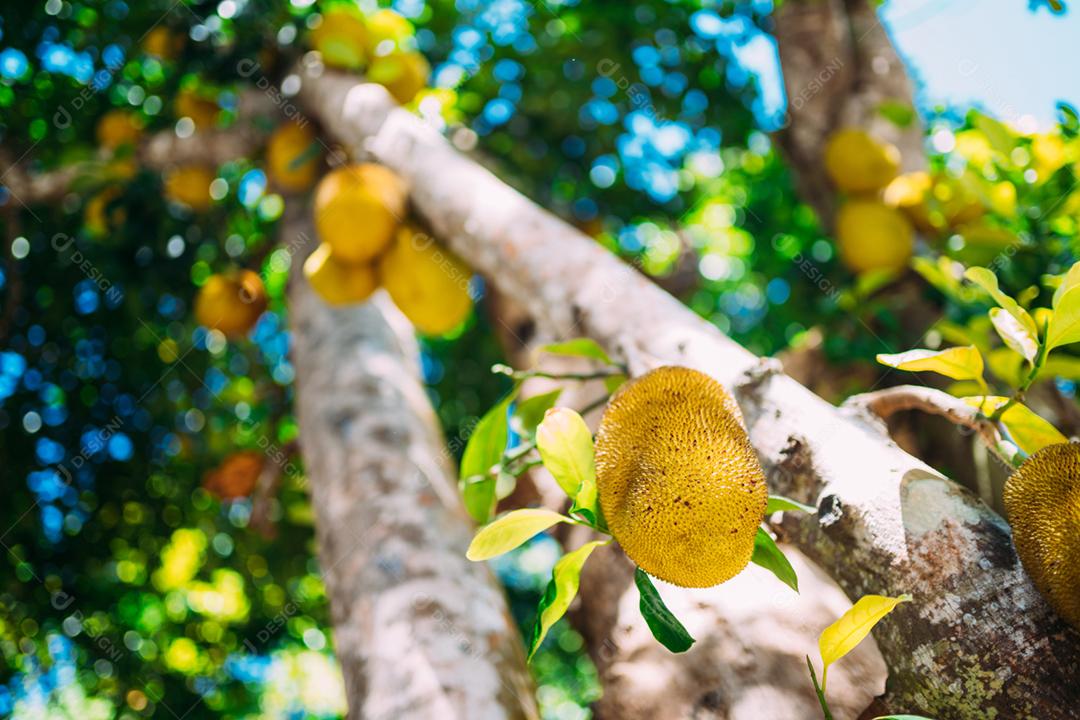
(842, 636)
(566, 447)
(614, 382)
(997, 133)
(988, 282)
(1015, 335)
(897, 112)
(579, 347)
(510, 531)
(779, 503)
(768, 555)
(483, 451)
(1030, 431)
(664, 625)
(1065, 322)
(530, 412)
(959, 363)
(565, 578)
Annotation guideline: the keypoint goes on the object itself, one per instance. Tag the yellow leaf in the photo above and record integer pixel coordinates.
(561, 591)
(1015, 335)
(511, 530)
(842, 636)
(1030, 432)
(988, 282)
(566, 447)
(1065, 322)
(1069, 280)
(959, 363)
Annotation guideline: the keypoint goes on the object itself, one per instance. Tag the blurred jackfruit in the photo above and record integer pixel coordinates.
(292, 158)
(338, 282)
(231, 302)
(857, 163)
(357, 210)
(1042, 500)
(190, 185)
(427, 282)
(118, 128)
(679, 484)
(341, 38)
(873, 236)
(236, 476)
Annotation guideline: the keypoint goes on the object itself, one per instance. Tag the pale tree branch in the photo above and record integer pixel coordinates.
(886, 403)
(420, 631)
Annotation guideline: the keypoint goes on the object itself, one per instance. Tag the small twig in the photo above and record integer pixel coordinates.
(886, 403)
(526, 374)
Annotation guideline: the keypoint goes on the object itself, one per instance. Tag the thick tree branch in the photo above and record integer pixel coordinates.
(886, 403)
(978, 640)
(420, 631)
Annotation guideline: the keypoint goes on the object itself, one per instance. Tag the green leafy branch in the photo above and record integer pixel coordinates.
(1030, 335)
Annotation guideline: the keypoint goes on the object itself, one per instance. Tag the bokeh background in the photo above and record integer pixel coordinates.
(128, 577)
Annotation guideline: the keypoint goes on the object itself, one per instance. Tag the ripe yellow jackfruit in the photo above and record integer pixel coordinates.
(858, 163)
(117, 128)
(679, 484)
(357, 210)
(190, 185)
(404, 74)
(427, 282)
(341, 38)
(873, 236)
(290, 162)
(231, 302)
(386, 31)
(1042, 500)
(336, 282)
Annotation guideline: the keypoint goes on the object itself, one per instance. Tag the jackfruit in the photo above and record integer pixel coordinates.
(680, 486)
(404, 74)
(231, 302)
(1042, 500)
(357, 210)
(341, 38)
(873, 236)
(337, 282)
(427, 282)
(858, 163)
(118, 128)
(387, 31)
(290, 160)
(236, 476)
(190, 185)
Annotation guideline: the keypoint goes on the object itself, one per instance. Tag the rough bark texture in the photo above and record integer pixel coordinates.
(839, 67)
(420, 631)
(978, 641)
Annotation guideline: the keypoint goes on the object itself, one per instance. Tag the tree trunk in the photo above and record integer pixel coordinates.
(420, 631)
(978, 640)
(839, 68)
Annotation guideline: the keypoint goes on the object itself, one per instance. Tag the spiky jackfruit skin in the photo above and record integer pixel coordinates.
(1042, 500)
(680, 486)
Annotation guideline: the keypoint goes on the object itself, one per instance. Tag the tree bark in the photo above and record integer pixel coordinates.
(420, 631)
(978, 640)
